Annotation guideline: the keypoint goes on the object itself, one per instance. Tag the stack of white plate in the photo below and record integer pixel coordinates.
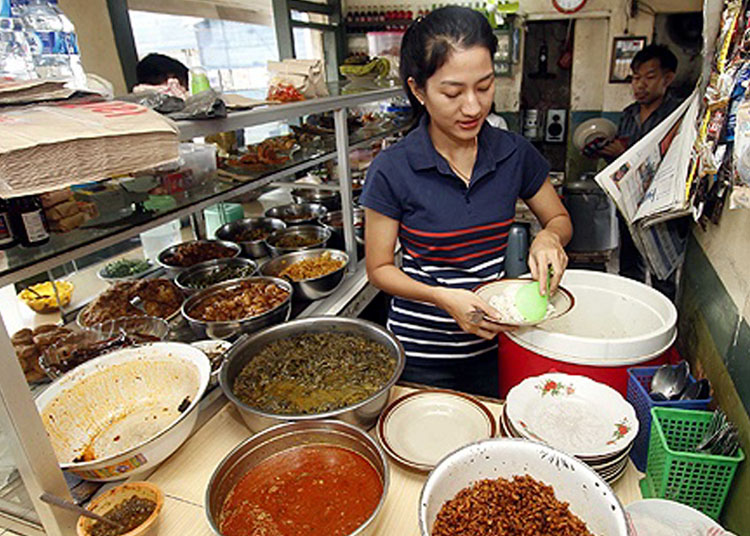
(577, 415)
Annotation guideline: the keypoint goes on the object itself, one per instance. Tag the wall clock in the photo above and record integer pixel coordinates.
(568, 6)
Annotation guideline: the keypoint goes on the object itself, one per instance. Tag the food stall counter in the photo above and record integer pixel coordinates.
(184, 477)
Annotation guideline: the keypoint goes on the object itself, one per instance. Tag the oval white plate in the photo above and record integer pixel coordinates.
(420, 428)
(572, 413)
(562, 300)
(661, 517)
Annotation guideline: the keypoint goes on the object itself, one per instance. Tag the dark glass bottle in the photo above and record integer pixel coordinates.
(28, 220)
(7, 238)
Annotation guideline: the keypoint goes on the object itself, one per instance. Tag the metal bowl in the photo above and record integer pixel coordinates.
(262, 446)
(335, 222)
(321, 234)
(297, 213)
(230, 329)
(250, 248)
(149, 326)
(133, 325)
(328, 198)
(314, 288)
(574, 482)
(185, 279)
(173, 271)
(363, 414)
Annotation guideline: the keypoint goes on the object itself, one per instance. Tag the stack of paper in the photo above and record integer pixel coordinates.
(28, 91)
(52, 146)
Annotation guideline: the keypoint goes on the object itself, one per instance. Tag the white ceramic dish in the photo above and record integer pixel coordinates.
(420, 428)
(661, 517)
(593, 129)
(126, 411)
(572, 413)
(589, 496)
(562, 301)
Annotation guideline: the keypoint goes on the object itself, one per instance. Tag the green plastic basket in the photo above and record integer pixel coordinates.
(675, 472)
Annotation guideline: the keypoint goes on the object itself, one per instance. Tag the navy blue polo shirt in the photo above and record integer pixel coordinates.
(451, 234)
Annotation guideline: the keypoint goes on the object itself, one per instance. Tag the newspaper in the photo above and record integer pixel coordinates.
(647, 184)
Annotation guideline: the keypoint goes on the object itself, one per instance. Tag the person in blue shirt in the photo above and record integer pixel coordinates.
(448, 193)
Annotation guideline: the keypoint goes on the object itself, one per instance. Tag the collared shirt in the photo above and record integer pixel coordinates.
(631, 130)
(452, 234)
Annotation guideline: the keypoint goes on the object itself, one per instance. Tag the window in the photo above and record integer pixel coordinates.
(234, 53)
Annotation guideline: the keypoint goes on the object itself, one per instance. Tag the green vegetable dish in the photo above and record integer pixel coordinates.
(314, 373)
(125, 268)
(204, 280)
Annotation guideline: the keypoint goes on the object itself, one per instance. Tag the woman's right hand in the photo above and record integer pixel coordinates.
(462, 305)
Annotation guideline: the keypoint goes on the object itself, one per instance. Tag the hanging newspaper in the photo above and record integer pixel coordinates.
(648, 185)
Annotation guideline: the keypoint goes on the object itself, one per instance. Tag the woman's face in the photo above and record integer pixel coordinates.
(459, 95)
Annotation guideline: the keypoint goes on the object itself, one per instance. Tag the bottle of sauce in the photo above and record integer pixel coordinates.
(7, 238)
(28, 220)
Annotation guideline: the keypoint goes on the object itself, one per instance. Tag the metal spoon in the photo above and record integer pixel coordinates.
(669, 381)
(697, 390)
(62, 503)
(137, 302)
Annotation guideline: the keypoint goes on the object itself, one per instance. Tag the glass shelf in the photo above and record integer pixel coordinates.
(20, 262)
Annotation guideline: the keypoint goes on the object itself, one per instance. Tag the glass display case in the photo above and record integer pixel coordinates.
(28, 466)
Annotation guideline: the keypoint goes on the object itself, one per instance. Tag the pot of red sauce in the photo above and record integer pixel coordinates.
(307, 478)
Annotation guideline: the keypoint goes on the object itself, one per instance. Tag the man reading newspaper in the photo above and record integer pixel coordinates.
(653, 70)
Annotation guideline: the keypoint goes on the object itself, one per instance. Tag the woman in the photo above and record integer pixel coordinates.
(448, 192)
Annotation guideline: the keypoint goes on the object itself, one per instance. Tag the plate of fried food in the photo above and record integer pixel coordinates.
(269, 153)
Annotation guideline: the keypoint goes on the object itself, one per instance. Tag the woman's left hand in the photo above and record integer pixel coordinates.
(547, 251)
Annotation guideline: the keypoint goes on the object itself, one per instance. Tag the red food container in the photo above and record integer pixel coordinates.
(616, 323)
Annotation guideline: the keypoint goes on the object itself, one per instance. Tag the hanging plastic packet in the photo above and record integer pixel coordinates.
(742, 141)
(738, 93)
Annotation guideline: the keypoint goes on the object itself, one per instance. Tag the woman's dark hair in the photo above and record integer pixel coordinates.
(429, 41)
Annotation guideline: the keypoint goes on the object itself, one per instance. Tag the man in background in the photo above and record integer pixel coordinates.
(156, 69)
(653, 69)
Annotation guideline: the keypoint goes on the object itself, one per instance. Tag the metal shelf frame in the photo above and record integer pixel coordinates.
(20, 420)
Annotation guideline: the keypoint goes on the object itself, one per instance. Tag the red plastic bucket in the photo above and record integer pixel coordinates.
(616, 323)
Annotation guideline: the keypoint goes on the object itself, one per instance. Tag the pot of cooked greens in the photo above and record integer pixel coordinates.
(313, 368)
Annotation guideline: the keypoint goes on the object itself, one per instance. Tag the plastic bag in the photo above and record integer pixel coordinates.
(305, 76)
(204, 105)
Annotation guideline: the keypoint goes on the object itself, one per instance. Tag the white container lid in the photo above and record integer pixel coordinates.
(615, 321)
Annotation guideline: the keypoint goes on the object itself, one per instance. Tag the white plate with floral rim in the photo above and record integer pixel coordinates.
(419, 428)
(572, 413)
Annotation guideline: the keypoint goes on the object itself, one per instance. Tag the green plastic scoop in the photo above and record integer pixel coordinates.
(531, 304)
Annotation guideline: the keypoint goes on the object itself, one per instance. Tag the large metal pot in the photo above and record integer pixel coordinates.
(250, 248)
(593, 214)
(230, 329)
(173, 271)
(362, 414)
(272, 441)
(314, 288)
